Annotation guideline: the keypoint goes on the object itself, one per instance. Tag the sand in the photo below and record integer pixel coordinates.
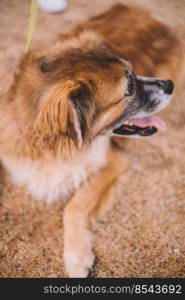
(144, 234)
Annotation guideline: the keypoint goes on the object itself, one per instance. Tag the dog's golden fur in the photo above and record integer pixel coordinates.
(46, 131)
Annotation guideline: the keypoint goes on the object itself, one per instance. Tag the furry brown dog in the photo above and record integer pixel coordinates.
(68, 102)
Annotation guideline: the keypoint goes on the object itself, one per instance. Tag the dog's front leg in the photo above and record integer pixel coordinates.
(93, 197)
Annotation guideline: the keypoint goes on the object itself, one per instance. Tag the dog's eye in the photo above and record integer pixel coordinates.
(130, 87)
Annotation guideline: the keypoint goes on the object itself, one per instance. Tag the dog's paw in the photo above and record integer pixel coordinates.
(78, 262)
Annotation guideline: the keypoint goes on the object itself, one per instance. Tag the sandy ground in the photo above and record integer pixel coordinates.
(144, 234)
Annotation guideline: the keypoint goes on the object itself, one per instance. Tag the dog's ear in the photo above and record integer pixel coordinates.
(66, 111)
(82, 110)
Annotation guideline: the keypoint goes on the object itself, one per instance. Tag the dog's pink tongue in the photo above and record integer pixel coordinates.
(149, 121)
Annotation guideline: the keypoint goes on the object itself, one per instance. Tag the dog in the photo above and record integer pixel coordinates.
(71, 104)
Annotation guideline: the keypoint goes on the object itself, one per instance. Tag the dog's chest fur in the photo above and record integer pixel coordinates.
(50, 180)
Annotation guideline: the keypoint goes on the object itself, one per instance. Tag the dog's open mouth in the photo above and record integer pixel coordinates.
(142, 126)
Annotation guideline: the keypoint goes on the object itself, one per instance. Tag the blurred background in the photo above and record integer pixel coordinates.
(143, 235)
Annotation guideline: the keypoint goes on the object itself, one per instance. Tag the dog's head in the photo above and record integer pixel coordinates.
(83, 89)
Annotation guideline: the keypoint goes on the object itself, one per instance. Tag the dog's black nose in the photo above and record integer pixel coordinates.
(168, 86)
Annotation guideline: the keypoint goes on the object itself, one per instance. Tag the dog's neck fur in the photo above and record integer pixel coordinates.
(50, 179)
